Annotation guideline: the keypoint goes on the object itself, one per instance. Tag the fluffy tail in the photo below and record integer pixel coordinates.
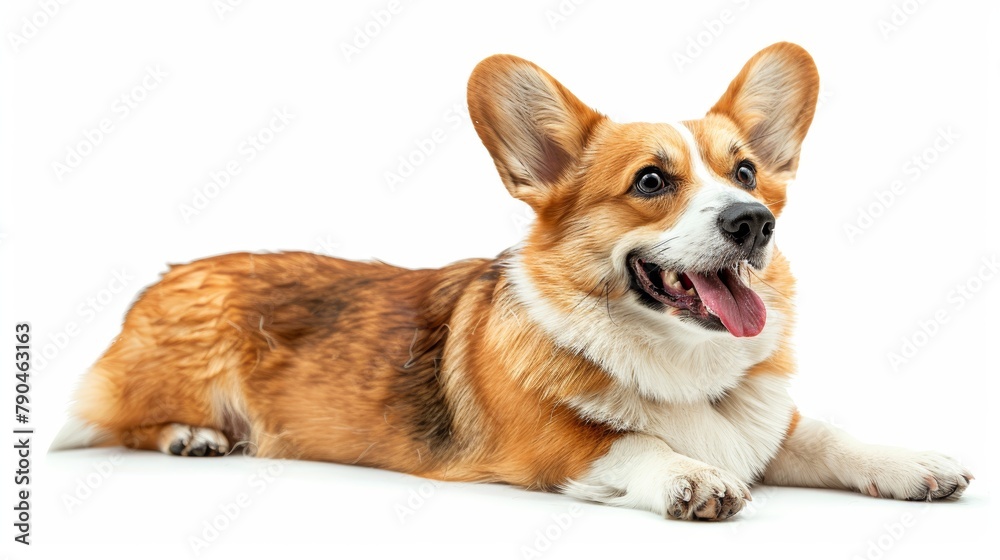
(77, 434)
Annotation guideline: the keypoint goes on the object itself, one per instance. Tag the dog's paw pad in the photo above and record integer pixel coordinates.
(193, 441)
(706, 494)
(177, 447)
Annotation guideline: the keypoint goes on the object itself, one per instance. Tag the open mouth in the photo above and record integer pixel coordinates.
(717, 300)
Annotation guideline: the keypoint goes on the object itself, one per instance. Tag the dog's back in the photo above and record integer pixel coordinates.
(277, 349)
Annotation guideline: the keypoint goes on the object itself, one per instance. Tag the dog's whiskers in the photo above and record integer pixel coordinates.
(607, 300)
(757, 276)
(660, 247)
(590, 293)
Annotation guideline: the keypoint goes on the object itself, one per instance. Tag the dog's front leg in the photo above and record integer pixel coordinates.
(643, 472)
(819, 455)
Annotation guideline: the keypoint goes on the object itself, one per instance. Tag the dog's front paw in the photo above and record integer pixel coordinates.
(914, 475)
(707, 493)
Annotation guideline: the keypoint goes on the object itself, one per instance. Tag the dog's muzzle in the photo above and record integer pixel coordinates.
(747, 224)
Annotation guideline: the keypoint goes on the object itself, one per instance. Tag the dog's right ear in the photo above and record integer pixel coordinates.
(535, 129)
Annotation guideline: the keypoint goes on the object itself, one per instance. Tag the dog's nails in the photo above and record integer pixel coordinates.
(687, 495)
(968, 477)
(931, 482)
(747, 496)
(872, 491)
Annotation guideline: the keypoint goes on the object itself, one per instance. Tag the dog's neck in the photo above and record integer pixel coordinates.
(646, 353)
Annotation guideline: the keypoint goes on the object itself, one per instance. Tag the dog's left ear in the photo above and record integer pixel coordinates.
(535, 129)
(773, 100)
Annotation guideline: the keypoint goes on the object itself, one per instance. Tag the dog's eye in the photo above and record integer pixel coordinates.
(650, 181)
(746, 175)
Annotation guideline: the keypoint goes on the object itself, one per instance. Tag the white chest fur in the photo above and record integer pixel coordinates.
(683, 385)
(740, 432)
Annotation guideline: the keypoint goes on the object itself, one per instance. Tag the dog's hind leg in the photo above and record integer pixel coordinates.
(126, 399)
(194, 441)
(175, 438)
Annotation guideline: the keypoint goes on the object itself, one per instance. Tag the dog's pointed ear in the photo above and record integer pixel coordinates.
(535, 129)
(773, 100)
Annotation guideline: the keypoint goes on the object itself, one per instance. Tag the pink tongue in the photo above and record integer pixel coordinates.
(739, 307)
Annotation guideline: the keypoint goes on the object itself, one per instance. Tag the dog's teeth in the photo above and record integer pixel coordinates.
(690, 292)
(670, 278)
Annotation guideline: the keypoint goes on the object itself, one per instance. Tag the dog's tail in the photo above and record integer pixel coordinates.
(81, 430)
(77, 434)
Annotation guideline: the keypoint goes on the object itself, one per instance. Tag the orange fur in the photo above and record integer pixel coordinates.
(439, 373)
(292, 352)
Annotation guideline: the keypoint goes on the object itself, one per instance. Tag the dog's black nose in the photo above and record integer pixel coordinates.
(748, 224)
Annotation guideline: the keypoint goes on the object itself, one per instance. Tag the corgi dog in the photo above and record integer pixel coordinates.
(632, 350)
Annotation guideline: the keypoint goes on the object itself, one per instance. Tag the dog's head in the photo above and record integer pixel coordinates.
(675, 220)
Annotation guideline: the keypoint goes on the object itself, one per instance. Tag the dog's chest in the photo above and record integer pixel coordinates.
(740, 432)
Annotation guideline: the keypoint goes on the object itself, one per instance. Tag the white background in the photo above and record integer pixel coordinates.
(320, 185)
